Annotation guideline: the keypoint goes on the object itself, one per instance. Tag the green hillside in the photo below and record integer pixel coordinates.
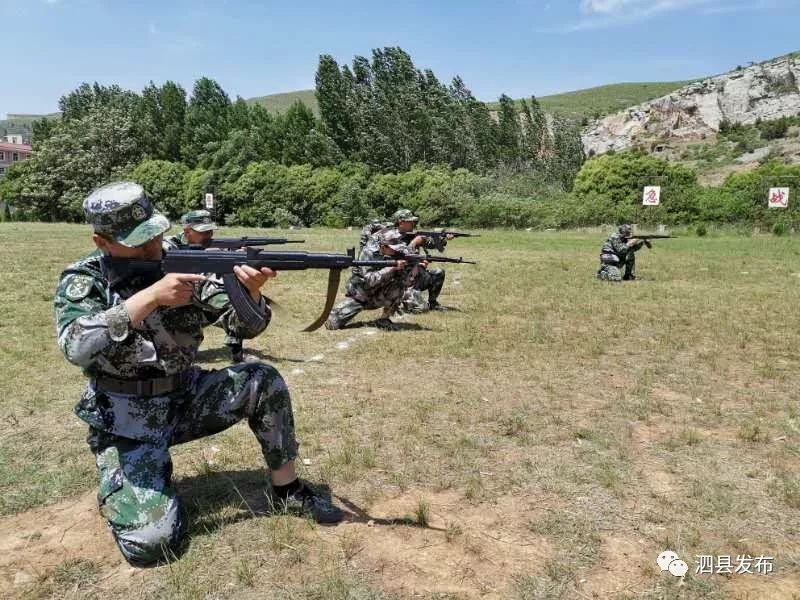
(281, 102)
(603, 100)
(606, 99)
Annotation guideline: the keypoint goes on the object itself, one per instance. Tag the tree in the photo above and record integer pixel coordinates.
(207, 120)
(334, 91)
(80, 155)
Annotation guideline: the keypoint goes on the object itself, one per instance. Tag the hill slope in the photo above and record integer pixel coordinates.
(591, 102)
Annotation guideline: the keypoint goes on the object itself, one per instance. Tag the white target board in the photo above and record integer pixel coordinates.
(778, 197)
(651, 196)
(209, 201)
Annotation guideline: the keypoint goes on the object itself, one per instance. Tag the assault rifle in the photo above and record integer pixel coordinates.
(222, 262)
(646, 237)
(246, 242)
(439, 237)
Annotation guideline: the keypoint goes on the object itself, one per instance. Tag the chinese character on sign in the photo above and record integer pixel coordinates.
(209, 201)
(651, 195)
(778, 197)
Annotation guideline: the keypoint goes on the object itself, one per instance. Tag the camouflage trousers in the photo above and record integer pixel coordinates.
(431, 280)
(611, 272)
(136, 496)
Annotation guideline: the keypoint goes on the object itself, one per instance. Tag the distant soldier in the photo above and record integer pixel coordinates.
(370, 229)
(619, 251)
(374, 287)
(198, 230)
(427, 279)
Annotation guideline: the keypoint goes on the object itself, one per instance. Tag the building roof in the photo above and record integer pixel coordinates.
(5, 147)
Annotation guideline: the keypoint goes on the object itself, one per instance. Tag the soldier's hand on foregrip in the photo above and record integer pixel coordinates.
(253, 279)
(399, 265)
(417, 242)
(633, 242)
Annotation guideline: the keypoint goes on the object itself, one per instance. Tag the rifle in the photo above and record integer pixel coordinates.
(649, 236)
(439, 237)
(245, 242)
(222, 262)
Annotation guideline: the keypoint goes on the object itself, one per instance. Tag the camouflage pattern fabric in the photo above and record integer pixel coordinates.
(616, 255)
(430, 280)
(130, 434)
(175, 242)
(369, 288)
(370, 229)
(121, 210)
(135, 494)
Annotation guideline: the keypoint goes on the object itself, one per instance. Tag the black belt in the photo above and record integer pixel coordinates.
(143, 387)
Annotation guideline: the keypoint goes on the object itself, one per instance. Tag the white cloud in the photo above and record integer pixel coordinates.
(52, 1)
(603, 14)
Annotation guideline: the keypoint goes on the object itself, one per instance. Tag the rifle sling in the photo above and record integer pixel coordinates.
(333, 287)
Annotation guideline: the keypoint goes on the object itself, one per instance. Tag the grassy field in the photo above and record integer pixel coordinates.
(601, 100)
(548, 439)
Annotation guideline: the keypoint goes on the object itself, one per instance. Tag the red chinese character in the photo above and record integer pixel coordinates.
(778, 198)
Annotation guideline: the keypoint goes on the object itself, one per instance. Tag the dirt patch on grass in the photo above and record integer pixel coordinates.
(764, 587)
(624, 565)
(34, 542)
(464, 549)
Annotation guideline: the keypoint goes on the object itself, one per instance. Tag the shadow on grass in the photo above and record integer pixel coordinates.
(219, 498)
(223, 354)
(398, 326)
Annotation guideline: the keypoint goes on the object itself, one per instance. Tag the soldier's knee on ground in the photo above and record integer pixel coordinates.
(153, 542)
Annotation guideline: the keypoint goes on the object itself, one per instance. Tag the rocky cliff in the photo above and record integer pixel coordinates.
(765, 91)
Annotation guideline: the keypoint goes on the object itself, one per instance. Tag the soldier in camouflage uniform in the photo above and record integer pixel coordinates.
(198, 230)
(370, 229)
(619, 251)
(374, 287)
(427, 279)
(136, 339)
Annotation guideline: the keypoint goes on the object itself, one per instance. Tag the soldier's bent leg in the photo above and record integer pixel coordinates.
(252, 391)
(136, 497)
(435, 285)
(343, 313)
(630, 266)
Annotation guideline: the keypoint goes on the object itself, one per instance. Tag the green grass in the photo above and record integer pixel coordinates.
(280, 103)
(548, 440)
(605, 99)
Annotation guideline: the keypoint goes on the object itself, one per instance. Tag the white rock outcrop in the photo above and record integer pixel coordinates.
(763, 91)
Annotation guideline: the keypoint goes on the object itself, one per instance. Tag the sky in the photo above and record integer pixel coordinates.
(258, 47)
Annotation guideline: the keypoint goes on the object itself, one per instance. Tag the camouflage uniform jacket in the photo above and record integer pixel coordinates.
(615, 250)
(175, 242)
(376, 285)
(369, 230)
(95, 333)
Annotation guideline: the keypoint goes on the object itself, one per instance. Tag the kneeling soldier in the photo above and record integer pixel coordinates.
(136, 337)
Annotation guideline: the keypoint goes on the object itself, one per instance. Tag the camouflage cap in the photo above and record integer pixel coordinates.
(625, 230)
(122, 211)
(199, 220)
(391, 238)
(404, 215)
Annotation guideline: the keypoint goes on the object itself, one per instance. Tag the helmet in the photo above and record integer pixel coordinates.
(625, 230)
